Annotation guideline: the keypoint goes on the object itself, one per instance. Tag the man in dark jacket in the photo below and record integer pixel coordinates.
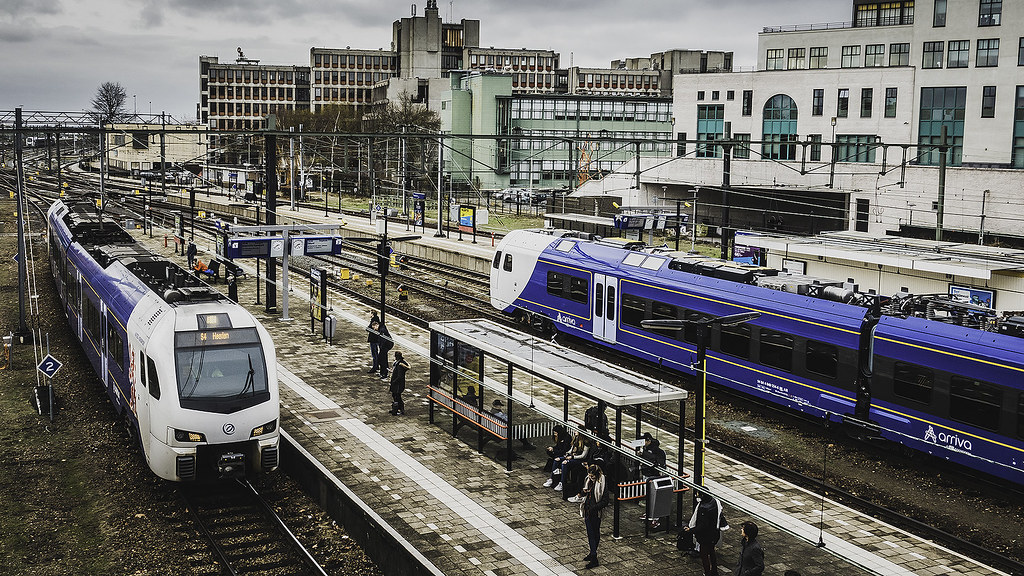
(652, 452)
(751, 561)
(398, 384)
(595, 420)
(706, 525)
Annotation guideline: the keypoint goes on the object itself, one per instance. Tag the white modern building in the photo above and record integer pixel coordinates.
(840, 125)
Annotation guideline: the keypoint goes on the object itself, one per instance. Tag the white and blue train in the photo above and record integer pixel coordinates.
(951, 384)
(193, 374)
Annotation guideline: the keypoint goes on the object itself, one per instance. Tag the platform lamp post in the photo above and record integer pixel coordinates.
(703, 337)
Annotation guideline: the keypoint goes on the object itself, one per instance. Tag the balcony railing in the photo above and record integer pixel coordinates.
(807, 27)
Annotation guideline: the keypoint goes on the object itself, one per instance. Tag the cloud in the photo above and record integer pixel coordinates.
(18, 10)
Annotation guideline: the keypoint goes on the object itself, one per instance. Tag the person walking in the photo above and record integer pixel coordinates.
(751, 562)
(398, 384)
(386, 344)
(373, 338)
(706, 525)
(595, 499)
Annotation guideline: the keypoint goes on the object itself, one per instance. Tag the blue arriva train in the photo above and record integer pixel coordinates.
(951, 385)
(193, 374)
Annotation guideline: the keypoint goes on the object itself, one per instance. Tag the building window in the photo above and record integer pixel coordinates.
(796, 58)
(890, 14)
(843, 104)
(867, 15)
(775, 59)
(988, 102)
(866, 96)
(715, 95)
(855, 148)
(908, 12)
(815, 140)
(932, 55)
(1017, 158)
(942, 107)
(890, 102)
(1020, 53)
(899, 54)
(988, 52)
(710, 126)
(959, 54)
(779, 128)
(700, 95)
(818, 102)
(741, 149)
(748, 102)
(818, 58)
(874, 55)
(851, 57)
(939, 16)
(730, 94)
(989, 13)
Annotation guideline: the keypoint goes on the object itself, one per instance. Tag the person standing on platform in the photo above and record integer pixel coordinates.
(374, 339)
(706, 525)
(398, 384)
(751, 562)
(191, 253)
(595, 420)
(386, 344)
(595, 499)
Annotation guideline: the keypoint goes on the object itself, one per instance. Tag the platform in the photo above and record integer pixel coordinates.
(465, 514)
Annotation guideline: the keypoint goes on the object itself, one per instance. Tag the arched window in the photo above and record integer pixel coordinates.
(779, 128)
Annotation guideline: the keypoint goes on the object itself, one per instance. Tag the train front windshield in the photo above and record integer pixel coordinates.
(220, 370)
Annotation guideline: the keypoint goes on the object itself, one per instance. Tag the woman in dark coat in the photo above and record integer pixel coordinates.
(398, 384)
(374, 340)
(707, 525)
(595, 499)
(751, 561)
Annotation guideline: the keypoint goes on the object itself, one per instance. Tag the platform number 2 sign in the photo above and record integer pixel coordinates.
(49, 366)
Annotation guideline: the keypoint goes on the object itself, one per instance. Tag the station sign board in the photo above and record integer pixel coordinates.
(254, 248)
(315, 245)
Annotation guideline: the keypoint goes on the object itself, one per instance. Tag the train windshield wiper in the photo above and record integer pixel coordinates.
(249, 379)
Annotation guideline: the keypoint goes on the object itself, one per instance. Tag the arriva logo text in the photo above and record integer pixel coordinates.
(952, 441)
(563, 319)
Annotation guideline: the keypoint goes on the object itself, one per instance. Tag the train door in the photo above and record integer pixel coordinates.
(146, 373)
(605, 296)
(104, 347)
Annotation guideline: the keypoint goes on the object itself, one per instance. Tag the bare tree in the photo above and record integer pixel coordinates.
(108, 104)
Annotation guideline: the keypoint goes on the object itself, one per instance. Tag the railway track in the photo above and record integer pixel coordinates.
(244, 532)
(463, 300)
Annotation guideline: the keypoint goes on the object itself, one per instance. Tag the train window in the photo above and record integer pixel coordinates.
(611, 303)
(1020, 416)
(975, 402)
(633, 310)
(152, 381)
(662, 311)
(578, 289)
(508, 262)
(822, 359)
(497, 259)
(735, 340)
(776, 349)
(91, 318)
(912, 382)
(115, 346)
(598, 299)
(556, 284)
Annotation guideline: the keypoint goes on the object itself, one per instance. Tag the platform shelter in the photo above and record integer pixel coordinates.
(458, 384)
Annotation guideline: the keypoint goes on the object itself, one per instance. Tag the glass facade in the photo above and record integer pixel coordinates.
(779, 128)
(942, 107)
(710, 126)
(855, 147)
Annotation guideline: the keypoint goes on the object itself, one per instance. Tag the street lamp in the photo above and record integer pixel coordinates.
(703, 337)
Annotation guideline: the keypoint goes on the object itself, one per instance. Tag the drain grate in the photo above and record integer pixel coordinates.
(324, 415)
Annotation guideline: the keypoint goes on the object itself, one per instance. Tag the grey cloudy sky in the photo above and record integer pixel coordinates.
(56, 52)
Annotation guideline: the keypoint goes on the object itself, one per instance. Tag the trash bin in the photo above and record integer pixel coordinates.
(330, 322)
(659, 497)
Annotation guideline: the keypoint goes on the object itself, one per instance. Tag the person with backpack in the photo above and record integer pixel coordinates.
(398, 384)
(373, 338)
(706, 526)
(595, 498)
(751, 562)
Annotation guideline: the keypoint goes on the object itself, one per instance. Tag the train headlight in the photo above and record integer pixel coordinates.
(185, 436)
(264, 429)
